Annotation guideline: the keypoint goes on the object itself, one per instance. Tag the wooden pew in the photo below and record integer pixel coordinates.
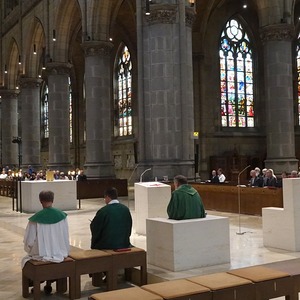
(94, 188)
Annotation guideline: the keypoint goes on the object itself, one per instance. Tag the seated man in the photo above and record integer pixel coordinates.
(185, 201)
(111, 227)
(47, 233)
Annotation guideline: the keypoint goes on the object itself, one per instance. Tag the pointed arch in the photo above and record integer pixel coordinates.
(236, 76)
(12, 65)
(68, 22)
(123, 93)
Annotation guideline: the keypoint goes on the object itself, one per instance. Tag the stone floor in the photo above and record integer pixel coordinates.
(246, 249)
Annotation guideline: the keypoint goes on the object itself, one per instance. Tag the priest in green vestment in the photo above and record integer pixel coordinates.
(185, 202)
(111, 227)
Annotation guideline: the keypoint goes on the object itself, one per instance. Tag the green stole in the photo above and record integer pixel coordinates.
(49, 215)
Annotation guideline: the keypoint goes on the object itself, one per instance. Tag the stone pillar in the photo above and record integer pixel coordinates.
(31, 121)
(278, 71)
(166, 104)
(99, 162)
(59, 118)
(9, 124)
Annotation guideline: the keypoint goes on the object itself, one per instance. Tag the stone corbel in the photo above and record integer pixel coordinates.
(277, 32)
(97, 48)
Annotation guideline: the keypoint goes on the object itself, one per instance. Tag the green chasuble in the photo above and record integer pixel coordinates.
(49, 215)
(185, 203)
(111, 227)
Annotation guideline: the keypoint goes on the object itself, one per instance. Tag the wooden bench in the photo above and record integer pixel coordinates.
(269, 283)
(225, 286)
(128, 259)
(181, 289)
(292, 267)
(134, 293)
(91, 262)
(39, 271)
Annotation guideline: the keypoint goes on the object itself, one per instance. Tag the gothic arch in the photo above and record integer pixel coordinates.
(68, 20)
(11, 80)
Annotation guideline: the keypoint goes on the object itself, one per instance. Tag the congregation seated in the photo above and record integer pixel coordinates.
(255, 180)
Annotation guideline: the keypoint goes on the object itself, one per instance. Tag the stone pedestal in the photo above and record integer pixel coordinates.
(151, 200)
(64, 194)
(281, 226)
(188, 244)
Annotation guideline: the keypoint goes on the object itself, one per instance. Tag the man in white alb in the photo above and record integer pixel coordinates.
(47, 233)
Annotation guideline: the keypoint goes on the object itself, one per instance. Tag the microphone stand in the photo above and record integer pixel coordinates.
(239, 199)
(141, 177)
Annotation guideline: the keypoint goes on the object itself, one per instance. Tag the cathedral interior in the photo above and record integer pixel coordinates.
(179, 86)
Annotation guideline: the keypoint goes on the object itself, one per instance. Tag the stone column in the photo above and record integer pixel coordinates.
(99, 162)
(9, 124)
(31, 121)
(59, 118)
(278, 68)
(166, 104)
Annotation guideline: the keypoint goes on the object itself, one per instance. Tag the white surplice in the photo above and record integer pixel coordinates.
(46, 242)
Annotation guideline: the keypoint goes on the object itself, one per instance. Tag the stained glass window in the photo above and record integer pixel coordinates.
(123, 94)
(236, 77)
(70, 110)
(45, 112)
(298, 74)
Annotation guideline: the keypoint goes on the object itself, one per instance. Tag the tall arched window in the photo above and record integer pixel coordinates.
(298, 75)
(236, 77)
(122, 98)
(45, 111)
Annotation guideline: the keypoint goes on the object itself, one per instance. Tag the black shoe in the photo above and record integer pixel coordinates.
(47, 289)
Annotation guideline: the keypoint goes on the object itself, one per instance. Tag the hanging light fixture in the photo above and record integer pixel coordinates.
(5, 69)
(53, 35)
(20, 59)
(34, 48)
(192, 3)
(147, 8)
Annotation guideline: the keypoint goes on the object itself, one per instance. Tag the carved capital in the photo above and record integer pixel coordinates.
(97, 48)
(162, 14)
(57, 68)
(190, 17)
(277, 32)
(9, 94)
(29, 82)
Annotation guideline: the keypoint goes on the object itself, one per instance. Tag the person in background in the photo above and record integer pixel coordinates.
(221, 176)
(214, 177)
(280, 180)
(185, 202)
(255, 181)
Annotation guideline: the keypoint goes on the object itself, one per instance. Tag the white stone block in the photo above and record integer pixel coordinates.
(188, 244)
(151, 201)
(65, 195)
(281, 226)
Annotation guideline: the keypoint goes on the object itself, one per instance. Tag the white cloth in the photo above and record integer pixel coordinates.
(46, 242)
(222, 178)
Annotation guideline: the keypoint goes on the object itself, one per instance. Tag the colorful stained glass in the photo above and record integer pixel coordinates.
(70, 110)
(123, 94)
(236, 77)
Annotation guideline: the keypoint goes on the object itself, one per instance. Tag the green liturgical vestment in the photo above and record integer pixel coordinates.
(185, 203)
(49, 215)
(111, 227)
